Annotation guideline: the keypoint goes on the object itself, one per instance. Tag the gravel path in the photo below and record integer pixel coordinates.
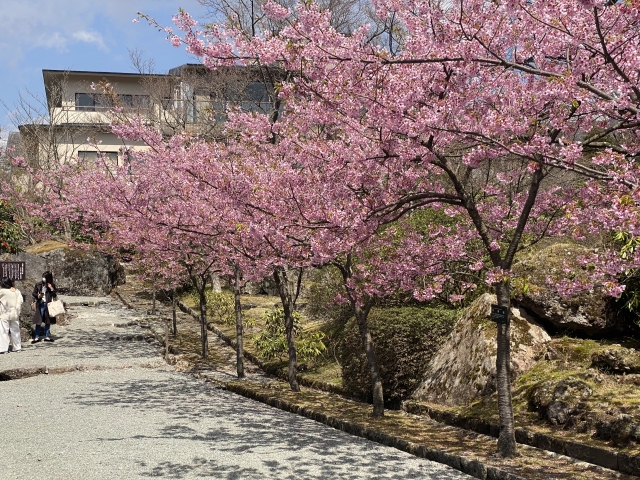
(137, 418)
(106, 335)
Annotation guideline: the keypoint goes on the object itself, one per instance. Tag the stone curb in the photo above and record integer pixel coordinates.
(26, 372)
(122, 299)
(622, 462)
(471, 467)
(83, 304)
(22, 372)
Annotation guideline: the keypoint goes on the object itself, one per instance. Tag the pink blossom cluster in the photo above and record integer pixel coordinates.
(517, 120)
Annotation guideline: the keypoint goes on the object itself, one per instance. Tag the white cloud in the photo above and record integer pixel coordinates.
(59, 24)
(90, 37)
(55, 40)
(29, 24)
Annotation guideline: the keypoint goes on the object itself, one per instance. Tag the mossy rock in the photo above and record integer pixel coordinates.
(75, 271)
(464, 369)
(619, 429)
(84, 272)
(558, 401)
(591, 313)
(617, 359)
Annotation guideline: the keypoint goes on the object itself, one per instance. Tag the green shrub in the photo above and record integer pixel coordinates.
(220, 307)
(325, 286)
(627, 306)
(272, 341)
(10, 233)
(405, 340)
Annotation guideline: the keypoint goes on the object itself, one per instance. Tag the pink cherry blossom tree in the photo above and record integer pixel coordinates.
(492, 111)
(518, 119)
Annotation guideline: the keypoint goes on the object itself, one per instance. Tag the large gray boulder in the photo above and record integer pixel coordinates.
(34, 266)
(590, 312)
(464, 369)
(84, 272)
(75, 271)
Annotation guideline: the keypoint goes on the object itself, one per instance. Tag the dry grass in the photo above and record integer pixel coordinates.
(45, 247)
(325, 371)
(188, 345)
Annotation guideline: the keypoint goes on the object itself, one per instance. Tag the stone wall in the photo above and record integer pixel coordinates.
(75, 272)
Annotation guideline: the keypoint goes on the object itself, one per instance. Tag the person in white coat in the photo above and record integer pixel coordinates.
(11, 300)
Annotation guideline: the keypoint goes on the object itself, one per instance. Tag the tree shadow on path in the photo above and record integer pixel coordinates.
(234, 428)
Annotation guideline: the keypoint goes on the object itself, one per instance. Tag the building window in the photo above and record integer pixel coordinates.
(256, 98)
(87, 155)
(90, 155)
(112, 156)
(91, 103)
(86, 102)
(219, 109)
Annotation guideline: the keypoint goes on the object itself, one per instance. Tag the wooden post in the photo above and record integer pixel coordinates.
(166, 338)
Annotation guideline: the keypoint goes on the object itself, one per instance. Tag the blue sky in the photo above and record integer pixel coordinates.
(80, 35)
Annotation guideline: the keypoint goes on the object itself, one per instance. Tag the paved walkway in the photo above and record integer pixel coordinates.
(115, 409)
(99, 336)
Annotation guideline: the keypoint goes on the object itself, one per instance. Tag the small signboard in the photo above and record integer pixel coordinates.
(12, 270)
(499, 314)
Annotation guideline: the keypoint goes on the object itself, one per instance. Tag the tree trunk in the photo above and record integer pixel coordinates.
(153, 296)
(367, 342)
(362, 313)
(239, 334)
(173, 308)
(67, 229)
(166, 338)
(507, 439)
(201, 285)
(284, 289)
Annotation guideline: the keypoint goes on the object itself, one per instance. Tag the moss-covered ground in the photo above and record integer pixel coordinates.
(573, 360)
(324, 368)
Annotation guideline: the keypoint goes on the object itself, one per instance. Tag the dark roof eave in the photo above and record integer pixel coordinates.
(94, 73)
(100, 127)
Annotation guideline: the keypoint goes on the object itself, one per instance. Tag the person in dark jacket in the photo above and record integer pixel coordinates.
(43, 293)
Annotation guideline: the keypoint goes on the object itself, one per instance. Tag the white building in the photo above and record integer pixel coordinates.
(189, 97)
